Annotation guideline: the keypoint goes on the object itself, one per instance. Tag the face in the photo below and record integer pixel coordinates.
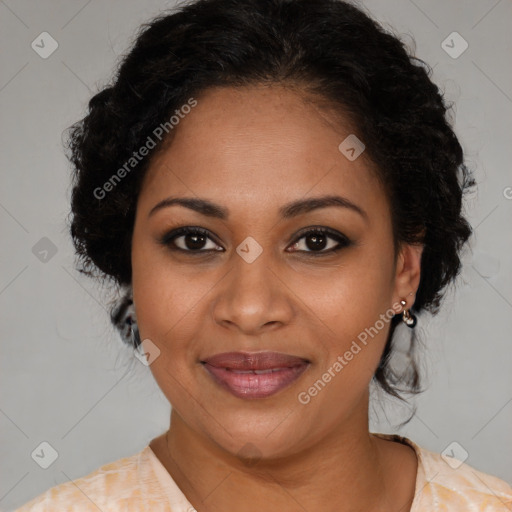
(270, 270)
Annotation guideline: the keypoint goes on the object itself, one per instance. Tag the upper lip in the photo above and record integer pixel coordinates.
(254, 360)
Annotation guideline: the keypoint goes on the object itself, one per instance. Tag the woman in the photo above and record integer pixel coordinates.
(275, 186)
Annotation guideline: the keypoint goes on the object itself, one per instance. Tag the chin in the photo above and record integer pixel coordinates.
(265, 441)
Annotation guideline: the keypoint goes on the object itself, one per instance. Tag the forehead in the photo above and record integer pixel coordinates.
(256, 145)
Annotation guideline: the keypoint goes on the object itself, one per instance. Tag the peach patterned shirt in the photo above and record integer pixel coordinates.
(141, 483)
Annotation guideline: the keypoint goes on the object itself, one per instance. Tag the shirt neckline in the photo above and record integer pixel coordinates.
(179, 502)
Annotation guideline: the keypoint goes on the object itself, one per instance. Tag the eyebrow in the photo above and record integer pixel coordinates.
(293, 209)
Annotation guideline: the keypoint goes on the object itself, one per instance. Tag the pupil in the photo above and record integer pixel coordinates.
(193, 241)
(318, 241)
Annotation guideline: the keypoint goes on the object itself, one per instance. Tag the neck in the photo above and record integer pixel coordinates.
(347, 470)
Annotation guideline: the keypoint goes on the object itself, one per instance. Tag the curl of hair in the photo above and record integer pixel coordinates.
(329, 50)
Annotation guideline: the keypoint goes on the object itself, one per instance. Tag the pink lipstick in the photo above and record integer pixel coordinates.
(254, 374)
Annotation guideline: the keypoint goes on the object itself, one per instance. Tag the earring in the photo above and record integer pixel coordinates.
(127, 322)
(407, 317)
(134, 335)
(131, 320)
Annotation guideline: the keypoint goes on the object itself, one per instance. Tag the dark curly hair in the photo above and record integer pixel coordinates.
(328, 49)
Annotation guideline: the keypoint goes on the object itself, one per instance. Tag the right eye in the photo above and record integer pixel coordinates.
(190, 239)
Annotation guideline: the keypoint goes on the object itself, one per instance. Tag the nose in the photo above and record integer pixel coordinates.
(252, 298)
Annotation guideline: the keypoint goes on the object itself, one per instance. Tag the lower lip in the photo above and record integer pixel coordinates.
(252, 385)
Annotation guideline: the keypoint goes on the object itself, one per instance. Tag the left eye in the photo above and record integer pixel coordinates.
(320, 241)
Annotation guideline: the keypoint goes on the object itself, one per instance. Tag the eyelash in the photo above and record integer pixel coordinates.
(169, 238)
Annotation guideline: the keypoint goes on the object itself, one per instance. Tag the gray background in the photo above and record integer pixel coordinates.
(65, 377)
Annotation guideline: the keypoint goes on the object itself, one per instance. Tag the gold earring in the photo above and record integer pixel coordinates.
(407, 317)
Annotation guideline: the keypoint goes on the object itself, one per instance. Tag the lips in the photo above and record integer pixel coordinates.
(256, 374)
(254, 360)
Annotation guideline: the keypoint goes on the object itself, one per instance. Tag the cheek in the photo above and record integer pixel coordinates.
(166, 305)
(164, 292)
(355, 309)
(353, 343)
(169, 308)
(352, 297)
(171, 303)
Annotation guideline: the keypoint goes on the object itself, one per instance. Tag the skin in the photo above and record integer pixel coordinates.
(252, 150)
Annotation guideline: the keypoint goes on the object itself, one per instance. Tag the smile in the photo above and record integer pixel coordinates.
(252, 384)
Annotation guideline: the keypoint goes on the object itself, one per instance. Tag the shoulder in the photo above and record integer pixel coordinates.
(445, 483)
(459, 486)
(120, 485)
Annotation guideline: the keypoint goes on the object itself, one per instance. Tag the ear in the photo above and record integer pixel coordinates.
(407, 273)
